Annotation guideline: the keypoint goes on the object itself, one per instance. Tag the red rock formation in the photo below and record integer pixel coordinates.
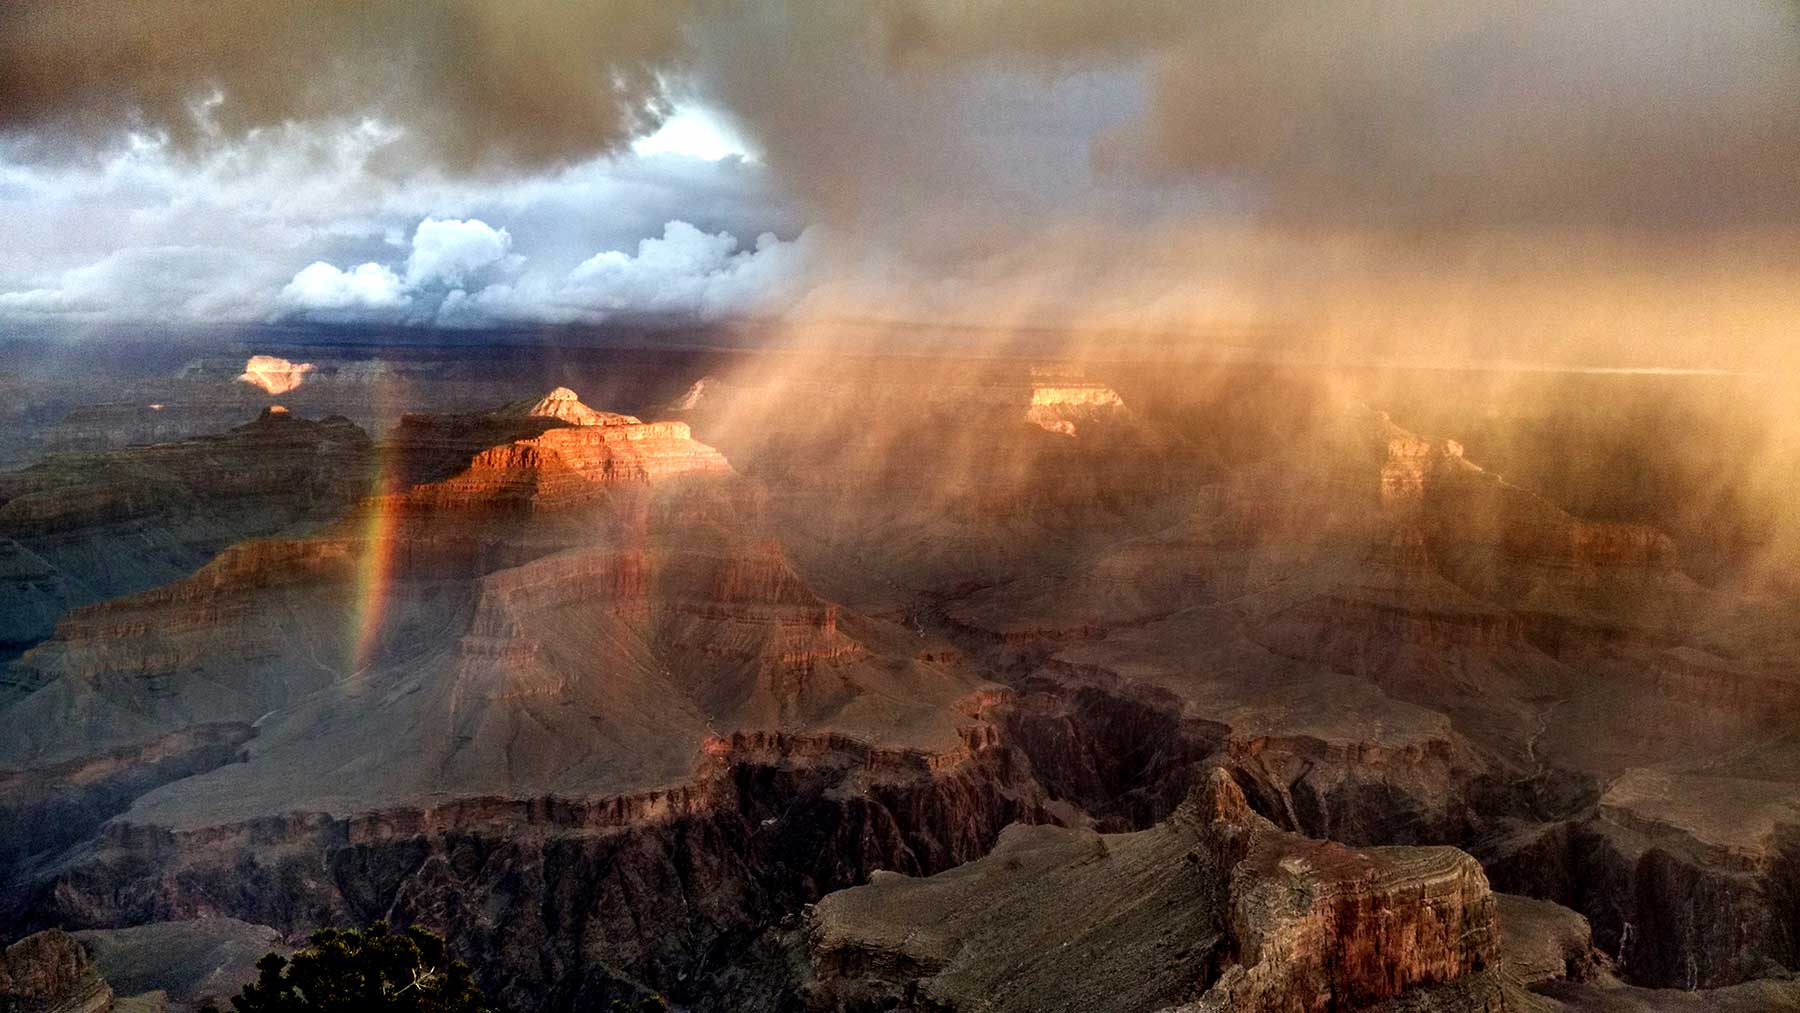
(273, 374)
(537, 455)
(1316, 926)
(564, 405)
(1214, 908)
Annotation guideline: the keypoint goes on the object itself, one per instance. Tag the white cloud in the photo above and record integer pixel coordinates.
(448, 251)
(320, 286)
(694, 131)
(146, 235)
(445, 253)
(685, 271)
(188, 283)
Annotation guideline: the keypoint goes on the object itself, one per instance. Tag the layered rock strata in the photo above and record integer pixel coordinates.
(76, 529)
(1213, 909)
(566, 903)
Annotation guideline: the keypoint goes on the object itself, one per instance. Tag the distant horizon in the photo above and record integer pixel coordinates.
(653, 333)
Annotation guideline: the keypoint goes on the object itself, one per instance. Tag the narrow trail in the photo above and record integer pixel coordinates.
(1543, 725)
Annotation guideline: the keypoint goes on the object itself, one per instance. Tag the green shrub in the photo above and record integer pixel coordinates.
(343, 971)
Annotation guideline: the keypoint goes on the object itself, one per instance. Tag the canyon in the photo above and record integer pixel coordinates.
(870, 686)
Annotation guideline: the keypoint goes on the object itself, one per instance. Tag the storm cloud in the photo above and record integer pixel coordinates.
(475, 85)
(1643, 113)
(1475, 178)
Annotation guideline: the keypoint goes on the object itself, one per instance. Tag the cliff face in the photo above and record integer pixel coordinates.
(565, 903)
(1315, 926)
(79, 528)
(1321, 928)
(545, 454)
(1687, 885)
(1212, 910)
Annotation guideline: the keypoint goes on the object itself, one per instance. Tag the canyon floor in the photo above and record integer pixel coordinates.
(793, 681)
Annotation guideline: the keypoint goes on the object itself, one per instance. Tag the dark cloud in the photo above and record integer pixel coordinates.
(475, 84)
(1660, 114)
(1634, 112)
(1582, 179)
(1639, 113)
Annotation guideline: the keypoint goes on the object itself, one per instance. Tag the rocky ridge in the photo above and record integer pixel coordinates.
(1212, 909)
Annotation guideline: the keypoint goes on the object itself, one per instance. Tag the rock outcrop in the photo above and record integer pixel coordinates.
(187, 963)
(564, 405)
(273, 374)
(1064, 407)
(51, 972)
(1214, 909)
(541, 454)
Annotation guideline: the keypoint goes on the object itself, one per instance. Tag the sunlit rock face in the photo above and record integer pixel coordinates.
(1060, 405)
(538, 454)
(1092, 395)
(275, 375)
(565, 405)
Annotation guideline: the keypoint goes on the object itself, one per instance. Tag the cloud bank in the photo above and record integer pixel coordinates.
(461, 274)
(1612, 109)
(476, 86)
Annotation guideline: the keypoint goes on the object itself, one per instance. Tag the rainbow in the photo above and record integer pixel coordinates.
(375, 566)
(374, 578)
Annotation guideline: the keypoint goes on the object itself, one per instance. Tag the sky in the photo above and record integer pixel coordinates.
(1602, 182)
